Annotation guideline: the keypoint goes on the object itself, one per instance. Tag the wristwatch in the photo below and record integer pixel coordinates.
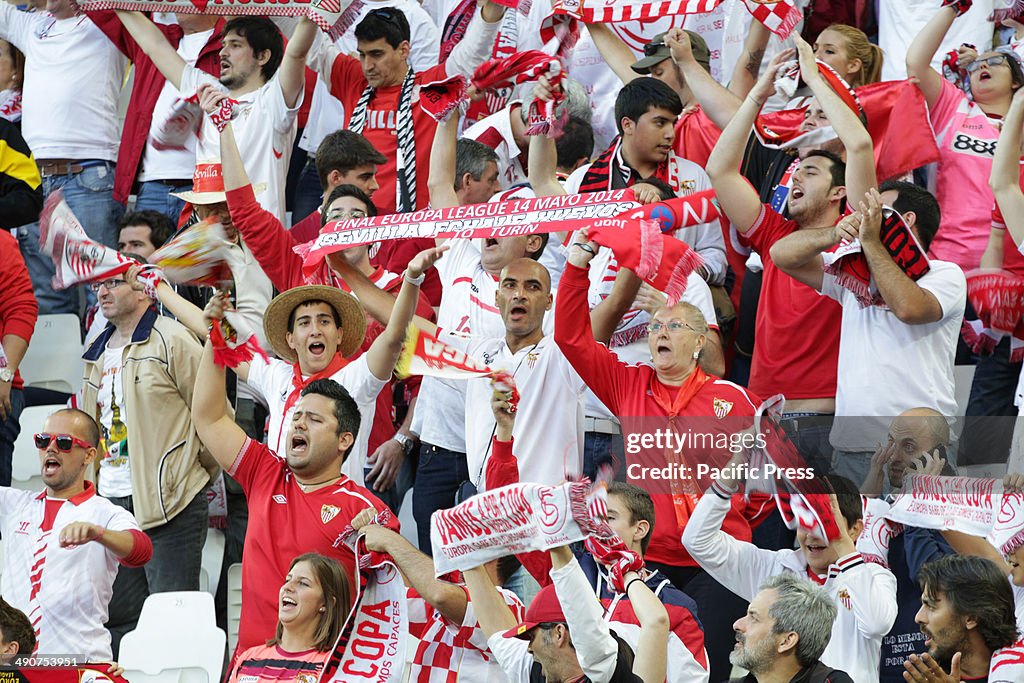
(405, 441)
(6, 375)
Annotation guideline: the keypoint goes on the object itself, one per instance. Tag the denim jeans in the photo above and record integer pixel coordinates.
(990, 413)
(438, 477)
(155, 195)
(9, 431)
(308, 193)
(853, 465)
(394, 496)
(809, 433)
(176, 564)
(89, 195)
(600, 449)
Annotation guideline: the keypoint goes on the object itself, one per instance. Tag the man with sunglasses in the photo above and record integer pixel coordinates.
(63, 545)
(138, 380)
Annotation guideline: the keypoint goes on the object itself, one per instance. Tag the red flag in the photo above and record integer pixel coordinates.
(903, 146)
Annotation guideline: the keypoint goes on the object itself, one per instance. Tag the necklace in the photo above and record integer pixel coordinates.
(305, 487)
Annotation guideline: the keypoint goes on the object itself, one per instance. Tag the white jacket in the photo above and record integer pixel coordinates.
(865, 593)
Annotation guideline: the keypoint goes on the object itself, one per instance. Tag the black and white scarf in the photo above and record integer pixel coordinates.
(405, 168)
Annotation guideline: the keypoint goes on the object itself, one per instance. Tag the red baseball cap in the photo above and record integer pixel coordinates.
(544, 609)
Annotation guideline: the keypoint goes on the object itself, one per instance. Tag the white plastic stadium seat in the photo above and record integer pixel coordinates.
(234, 603)
(25, 466)
(213, 557)
(188, 674)
(54, 358)
(176, 631)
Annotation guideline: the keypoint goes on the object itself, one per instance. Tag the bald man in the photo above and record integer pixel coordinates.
(65, 543)
(918, 434)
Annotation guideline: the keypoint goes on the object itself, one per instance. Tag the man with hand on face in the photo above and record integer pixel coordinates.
(299, 499)
(786, 629)
(966, 615)
(63, 545)
(865, 593)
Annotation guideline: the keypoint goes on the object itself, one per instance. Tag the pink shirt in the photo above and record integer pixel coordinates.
(967, 141)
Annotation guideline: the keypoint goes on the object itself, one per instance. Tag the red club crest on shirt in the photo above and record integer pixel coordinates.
(722, 407)
(844, 597)
(329, 512)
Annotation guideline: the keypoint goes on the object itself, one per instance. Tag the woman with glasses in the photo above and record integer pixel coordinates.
(660, 403)
(966, 116)
(312, 606)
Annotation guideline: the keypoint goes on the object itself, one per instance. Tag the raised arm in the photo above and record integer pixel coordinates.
(441, 181)
(748, 66)
(616, 53)
(378, 303)
(383, 353)
(718, 103)
(652, 643)
(155, 45)
(417, 568)
(132, 546)
(476, 45)
(1005, 178)
(215, 426)
(605, 317)
(798, 254)
(924, 46)
(292, 72)
(911, 303)
(490, 608)
(860, 151)
(738, 198)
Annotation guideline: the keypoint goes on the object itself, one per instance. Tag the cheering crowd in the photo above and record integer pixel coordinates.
(649, 311)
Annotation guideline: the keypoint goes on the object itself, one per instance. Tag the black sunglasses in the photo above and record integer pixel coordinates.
(653, 48)
(65, 442)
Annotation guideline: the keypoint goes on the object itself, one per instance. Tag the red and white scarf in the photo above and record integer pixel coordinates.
(962, 504)
(76, 258)
(847, 263)
(631, 10)
(10, 105)
(997, 297)
(523, 67)
(778, 16)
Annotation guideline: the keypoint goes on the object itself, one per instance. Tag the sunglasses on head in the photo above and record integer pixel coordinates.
(994, 60)
(65, 442)
(653, 48)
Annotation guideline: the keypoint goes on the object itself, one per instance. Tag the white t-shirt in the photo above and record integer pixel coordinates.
(878, 353)
(172, 164)
(326, 113)
(74, 584)
(548, 430)
(264, 131)
(73, 77)
(900, 22)
(273, 381)
(495, 131)
(115, 477)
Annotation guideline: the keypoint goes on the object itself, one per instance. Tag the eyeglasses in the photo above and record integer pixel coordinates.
(112, 283)
(673, 326)
(342, 214)
(654, 47)
(994, 60)
(64, 442)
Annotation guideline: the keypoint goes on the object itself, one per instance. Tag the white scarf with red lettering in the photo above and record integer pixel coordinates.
(76, 258)
(964, 504)
(631, 10)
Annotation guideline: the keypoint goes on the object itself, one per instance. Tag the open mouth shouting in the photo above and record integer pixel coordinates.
(299, 444)
(317, 349)
(51, 466)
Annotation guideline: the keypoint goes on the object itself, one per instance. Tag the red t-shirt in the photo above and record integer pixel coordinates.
(797, 329)
(285, 522)
(347, 84)
(627, 391)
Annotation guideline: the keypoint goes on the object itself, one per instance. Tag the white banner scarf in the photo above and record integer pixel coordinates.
(603, 11)
(333, 16)
(76, 258)
(372, 643)
(964, 504)
(513, 519)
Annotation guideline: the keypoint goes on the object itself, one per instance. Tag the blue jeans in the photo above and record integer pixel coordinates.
(990, 413)
(176, 564)
(308, 193)
(809, 433)
(438, 477)
(90, 197)
(853, 465)
(9, 431)
(600, 449)
(155, 195)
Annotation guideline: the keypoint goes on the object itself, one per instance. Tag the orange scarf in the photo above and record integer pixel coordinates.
(674, 405)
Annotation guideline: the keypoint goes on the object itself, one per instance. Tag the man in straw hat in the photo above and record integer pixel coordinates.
(300, 499)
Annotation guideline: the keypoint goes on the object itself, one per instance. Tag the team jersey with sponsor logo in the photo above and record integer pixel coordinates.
(967, 142)
(271, 663)
(285, 522)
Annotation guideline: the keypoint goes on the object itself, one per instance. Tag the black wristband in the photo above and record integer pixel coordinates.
(631, 583)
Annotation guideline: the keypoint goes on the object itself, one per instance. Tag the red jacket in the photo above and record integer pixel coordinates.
(18, 307)
(145, 90)
(627, 392)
